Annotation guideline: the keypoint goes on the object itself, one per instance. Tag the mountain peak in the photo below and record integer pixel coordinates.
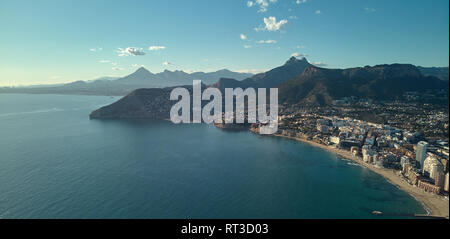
(294, 59)
(223, 70)
(142, 70)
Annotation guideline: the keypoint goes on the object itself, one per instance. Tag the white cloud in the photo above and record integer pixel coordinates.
(293, 17)
(318, 12)
(55, 77)
(319, 63)
(156, 48)
(263, 4)
(369, 9)
(266, 42)
(300, 1)
(117, 69)
(96, 49)
(131, 51)
(243, 37)
(189, 71)
(114, 63)
(251, 71)
(137, 65)
(166, 63)
(296, 54)
(103, 61)
(247, 46)
(271, 24)
(300, 47)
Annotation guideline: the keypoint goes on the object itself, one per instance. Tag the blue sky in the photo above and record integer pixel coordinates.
(61, 41)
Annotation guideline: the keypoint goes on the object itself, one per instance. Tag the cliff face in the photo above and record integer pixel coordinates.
(319, 86)
(292, 68)
(141, 103)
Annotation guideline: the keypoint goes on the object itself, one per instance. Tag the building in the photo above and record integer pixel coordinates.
(301, 135)
(406, 167)
(335, 140)
(369, 155)
(439, 179)
(413, 176)
(431, 167)
(347, 144)
(354, 150)
(429, 187)
(323, 128)
(436, 171)
(446, 183)
(370, 141)
(323, 122)
(421, 152)
(444, 162)
(404, 160)
(378, 161)
(288, 132)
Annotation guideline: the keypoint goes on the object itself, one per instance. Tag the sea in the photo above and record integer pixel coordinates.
(55, 162)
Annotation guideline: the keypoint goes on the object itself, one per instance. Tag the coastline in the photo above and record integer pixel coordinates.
(435, 205)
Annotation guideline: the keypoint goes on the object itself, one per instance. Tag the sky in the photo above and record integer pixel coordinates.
(57, 41)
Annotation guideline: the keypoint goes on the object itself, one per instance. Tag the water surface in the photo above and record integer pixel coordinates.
(57, 163)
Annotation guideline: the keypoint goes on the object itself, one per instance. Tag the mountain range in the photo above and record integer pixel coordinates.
(320, 86)
(272, 78)
(297, 81)
(141, 78)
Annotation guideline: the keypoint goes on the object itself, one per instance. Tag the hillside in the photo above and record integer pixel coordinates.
(300, 83)
(439, 72)
(319, 86)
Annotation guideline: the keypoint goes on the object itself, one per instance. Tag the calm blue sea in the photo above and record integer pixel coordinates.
(57, 163)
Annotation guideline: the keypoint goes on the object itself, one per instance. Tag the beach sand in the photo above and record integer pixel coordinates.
(435, 205)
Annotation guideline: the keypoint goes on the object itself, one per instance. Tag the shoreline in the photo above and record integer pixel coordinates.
(435, 205)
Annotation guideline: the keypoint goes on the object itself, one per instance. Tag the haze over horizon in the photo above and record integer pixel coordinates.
(61, 41)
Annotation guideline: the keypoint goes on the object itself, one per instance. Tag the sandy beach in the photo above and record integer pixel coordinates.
(435, 205)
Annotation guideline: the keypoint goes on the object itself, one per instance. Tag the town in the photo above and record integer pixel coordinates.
(419, 157)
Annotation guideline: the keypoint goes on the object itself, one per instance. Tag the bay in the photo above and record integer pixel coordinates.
(57, 163)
